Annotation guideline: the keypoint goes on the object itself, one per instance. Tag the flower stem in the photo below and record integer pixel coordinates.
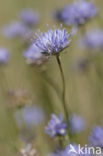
(64, 94)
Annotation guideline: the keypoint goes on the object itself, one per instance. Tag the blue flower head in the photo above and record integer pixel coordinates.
(53, 41)
(77, 13)
(77, 123)
(96, 137)
(93, 40)
(29, 17)
(56, 126)
(4, 56)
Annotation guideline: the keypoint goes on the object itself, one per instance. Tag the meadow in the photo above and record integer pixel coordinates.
(26, 85)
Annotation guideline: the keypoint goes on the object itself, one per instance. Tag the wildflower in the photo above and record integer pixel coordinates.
(56, 126)
(4, 56)
(15, 29)
(29, 17)
(53, 41)
(77, 13)
(34, 56)
(28, 151)
(96, 137)
(93, 40)
(77, 123)
(31, 116)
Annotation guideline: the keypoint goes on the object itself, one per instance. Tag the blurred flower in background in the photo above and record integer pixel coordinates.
(34, 56)
(28, 151)
(96, 137)
(29, 116)
(77, 123)
(93, 40)
(27, 38)
(77, 13)
(53, 41)
(4, 56)
(23, 28)
(18, 98)
(15, 29)
(56, 126)
(29, 17)
(81, 65)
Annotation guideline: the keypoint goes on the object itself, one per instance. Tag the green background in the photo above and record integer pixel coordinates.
(84, 89)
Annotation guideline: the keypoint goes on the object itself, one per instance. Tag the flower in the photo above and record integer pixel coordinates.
(93, 40)
(77, 13)
(53, 41)
(96, 137)
(15, 29)
(29, 17)
(31, 116)
(4, 56)
(34, 56)
(27, 151)
(77, 123)
(56, 126)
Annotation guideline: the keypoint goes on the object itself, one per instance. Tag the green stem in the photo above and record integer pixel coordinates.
(64, 94)
(61, 146)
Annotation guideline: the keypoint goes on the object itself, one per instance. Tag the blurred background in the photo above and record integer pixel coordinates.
(21, 84)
